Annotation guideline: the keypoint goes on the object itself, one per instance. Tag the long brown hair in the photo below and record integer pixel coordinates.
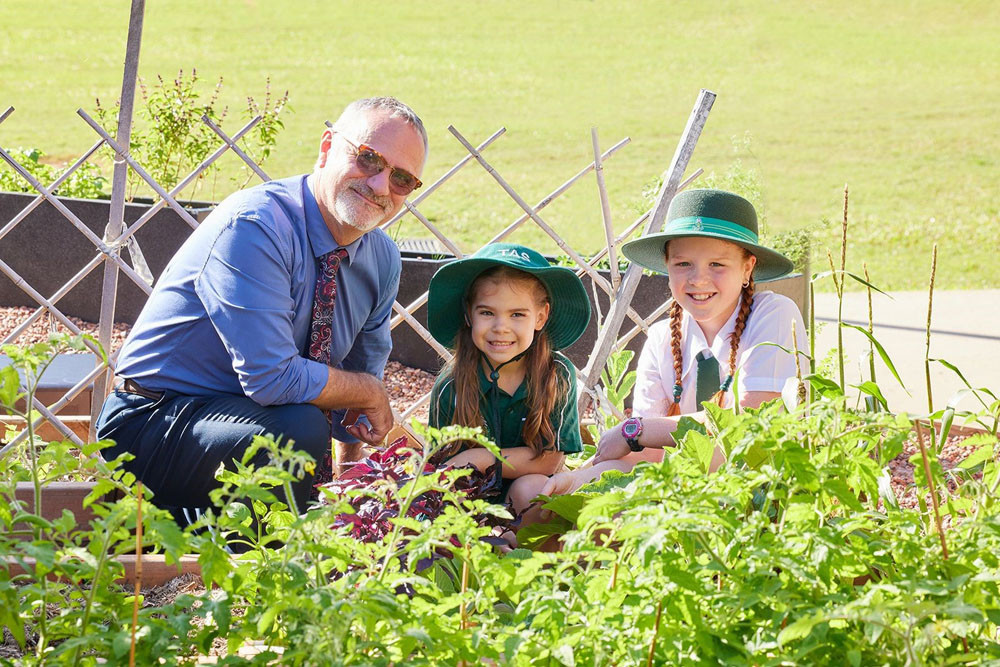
(676, 313)
(545, 385)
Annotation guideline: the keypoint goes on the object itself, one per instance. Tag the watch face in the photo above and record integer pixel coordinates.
(631, 427)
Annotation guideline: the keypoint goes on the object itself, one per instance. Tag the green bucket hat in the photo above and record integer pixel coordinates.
(569, 311)
(714, 214)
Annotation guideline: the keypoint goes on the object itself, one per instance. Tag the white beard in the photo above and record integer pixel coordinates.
(355, 213)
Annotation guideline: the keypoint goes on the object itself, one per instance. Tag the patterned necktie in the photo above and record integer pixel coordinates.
(320, 334)
(708, 377)
(320, 331)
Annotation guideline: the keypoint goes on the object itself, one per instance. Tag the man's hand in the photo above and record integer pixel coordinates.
(611, 446)
(361, 394)
(379, 416)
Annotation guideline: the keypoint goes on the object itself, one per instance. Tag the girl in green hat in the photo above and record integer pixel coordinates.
(505, 312)
(716, 324)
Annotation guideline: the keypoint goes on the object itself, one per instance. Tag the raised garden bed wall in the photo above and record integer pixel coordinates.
(46, 250)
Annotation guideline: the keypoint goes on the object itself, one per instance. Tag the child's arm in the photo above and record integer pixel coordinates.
(657, 433)
(477, 456)
(522, 461)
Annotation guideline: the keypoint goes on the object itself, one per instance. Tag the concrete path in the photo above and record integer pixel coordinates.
(965, 330)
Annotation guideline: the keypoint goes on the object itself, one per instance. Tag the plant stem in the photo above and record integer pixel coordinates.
(463, 614)
(800, 389)
(812, 338)
(138, 570)
(927, 347)
(656, 631)
(871, 326)
(931, 487)
(838, 283)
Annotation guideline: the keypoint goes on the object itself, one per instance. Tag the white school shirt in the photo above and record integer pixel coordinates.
(763, 368)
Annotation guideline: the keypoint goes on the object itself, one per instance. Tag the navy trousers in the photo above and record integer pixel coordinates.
(179, 441)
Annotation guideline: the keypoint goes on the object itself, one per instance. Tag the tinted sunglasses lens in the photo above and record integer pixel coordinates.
(401, 182)
(370, 162)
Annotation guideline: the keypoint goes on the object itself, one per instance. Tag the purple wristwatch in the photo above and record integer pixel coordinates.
(631, 430)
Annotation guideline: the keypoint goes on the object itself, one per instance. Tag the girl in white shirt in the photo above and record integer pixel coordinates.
(711, 253)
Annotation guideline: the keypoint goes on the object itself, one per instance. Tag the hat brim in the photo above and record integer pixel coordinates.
(569, 311)
(649, 252)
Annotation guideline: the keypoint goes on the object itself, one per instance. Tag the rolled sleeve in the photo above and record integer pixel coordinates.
(649, 398)
(246, 292)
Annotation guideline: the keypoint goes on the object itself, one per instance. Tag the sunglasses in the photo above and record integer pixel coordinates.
(371, 162)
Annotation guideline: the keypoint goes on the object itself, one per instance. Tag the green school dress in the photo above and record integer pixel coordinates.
(510, 411)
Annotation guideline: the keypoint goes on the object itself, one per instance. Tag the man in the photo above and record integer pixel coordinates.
(273, 317)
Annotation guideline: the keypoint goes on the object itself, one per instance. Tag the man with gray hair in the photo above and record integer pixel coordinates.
(273, 318)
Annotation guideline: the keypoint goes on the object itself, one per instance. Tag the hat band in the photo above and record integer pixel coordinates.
(694, 223)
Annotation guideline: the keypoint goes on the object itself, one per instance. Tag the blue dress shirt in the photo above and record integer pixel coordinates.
(231, 312)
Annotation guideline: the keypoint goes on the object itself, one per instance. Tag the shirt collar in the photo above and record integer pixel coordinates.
(485, 384)
(320, 238)
(694, 341)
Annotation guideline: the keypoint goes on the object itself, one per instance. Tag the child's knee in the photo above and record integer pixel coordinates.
(524, 489)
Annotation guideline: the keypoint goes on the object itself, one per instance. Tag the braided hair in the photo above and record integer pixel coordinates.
(676, 313)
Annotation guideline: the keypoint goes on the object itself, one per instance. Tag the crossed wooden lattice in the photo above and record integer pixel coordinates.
(619, 288)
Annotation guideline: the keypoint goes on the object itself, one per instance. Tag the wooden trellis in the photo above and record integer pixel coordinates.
(619, 288)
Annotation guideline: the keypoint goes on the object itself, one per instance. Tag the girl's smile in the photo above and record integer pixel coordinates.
(707, 277)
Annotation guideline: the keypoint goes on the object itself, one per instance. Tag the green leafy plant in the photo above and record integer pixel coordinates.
(86, 182)
(170, 138)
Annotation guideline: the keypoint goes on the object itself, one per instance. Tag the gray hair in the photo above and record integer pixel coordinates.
(394, 107)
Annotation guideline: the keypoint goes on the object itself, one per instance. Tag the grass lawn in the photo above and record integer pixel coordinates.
(900, 100)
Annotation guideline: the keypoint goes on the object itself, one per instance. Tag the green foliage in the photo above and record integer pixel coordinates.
(794, 552)
(86, 182)
(169, 137)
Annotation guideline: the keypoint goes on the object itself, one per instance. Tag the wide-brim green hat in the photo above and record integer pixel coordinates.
(714, 214)
(569, 311)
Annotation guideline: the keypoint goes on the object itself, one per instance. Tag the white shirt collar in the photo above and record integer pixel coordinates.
(694, 342)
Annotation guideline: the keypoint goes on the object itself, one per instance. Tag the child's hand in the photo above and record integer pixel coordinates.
(561, 483)
(478, 457)
(611, 446)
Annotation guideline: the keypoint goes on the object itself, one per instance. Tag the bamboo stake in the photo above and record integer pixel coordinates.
(434, 230)
(37, 201)
(638, 221)
(138, 570)
(62, 291)
(549, 198)
(622, 341)
(410, 309)
(416, 405)
(931, 487)
(682, 155)
(236, 149)
(425, 192)
(812, 338)
(107, 250)
(150, 181)
(927, 345)
(116, 215)
(26, 287)
(6, 113)
(187, 180)
(609, 233)
(597, 277)
(421, 331)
